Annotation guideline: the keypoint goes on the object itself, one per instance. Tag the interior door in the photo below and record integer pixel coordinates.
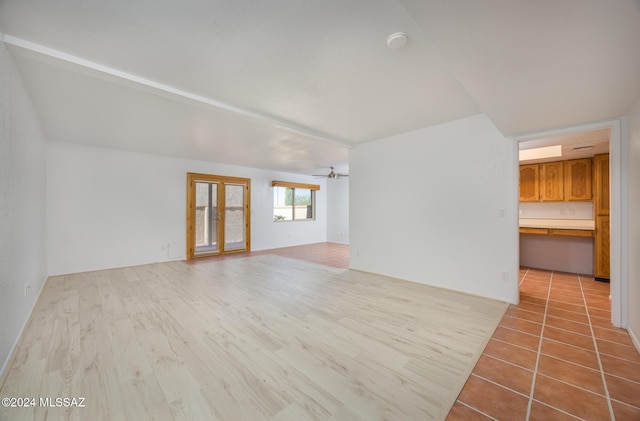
(217, 215)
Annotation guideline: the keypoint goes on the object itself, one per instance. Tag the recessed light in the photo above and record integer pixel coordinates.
(397, 40)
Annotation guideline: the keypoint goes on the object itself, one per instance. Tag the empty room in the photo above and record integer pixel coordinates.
(337, 210)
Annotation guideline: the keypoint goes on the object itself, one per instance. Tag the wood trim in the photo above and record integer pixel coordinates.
(557, 231)
(543, 231)
(222, 180)
(214, 178)
(277, 183)
(190, 217)
(571, 233)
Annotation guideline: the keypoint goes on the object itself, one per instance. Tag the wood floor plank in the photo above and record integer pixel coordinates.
(257, 337)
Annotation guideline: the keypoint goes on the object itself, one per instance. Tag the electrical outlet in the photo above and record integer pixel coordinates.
(26, 289)
(505, 276)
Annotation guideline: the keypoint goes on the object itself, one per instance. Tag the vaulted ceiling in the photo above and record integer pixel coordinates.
(293, 85)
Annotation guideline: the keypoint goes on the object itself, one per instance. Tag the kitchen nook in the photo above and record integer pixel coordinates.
(564, 213)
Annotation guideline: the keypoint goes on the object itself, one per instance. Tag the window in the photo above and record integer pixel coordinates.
(294, 201)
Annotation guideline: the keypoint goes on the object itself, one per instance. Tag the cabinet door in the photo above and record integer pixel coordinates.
(601, 248)
(601, 181)
(577, 179)
(529, 189)
(552, 181)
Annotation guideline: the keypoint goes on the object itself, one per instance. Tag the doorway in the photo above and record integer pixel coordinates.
(618, 252)
(218, 212)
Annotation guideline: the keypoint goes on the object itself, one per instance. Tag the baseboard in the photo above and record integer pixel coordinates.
(12, 353)
(634, 339)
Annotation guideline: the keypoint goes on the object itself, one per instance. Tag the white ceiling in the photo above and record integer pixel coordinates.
(293, 85)
(574, 145)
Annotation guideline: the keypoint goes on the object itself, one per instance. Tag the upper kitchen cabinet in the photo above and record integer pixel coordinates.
(552, 182)
(558, 181)
(577, 179)
(529, 187)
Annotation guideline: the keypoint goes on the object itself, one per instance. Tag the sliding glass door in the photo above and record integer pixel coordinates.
(217, 214)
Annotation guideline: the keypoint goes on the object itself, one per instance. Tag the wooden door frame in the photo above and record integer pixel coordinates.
(222, 181)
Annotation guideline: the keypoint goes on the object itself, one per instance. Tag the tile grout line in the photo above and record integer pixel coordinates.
(625, 404)
(535, 369)
(509, 362)
(559, 410)
(499, 385)
(477, 410)
(595, 344)
(623, 378)
(524, 277)
(573, 385)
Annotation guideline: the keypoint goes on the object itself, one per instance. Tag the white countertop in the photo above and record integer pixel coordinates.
(572, 224)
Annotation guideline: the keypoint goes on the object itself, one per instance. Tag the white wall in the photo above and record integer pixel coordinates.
(22, 205)
(566, 254)
(633, 295)
(556, 210)
(338, 210)
(426, 206)
(551, 252)
(111, 208)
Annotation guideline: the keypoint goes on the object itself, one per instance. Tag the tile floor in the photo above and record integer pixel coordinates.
(555, 356)
(330, 254)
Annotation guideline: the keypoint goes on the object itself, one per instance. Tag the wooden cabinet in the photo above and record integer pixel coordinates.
(601, 184)
(552, 182)
(577, 179)
(558, 181)
(529, 179)
(601, 245)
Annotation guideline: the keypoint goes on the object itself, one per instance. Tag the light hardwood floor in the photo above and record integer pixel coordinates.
(255, 338)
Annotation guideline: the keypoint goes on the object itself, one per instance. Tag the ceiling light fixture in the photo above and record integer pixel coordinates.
(397, 40)
(541, 153)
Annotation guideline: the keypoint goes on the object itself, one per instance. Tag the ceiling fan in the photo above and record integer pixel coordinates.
(332, 174)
